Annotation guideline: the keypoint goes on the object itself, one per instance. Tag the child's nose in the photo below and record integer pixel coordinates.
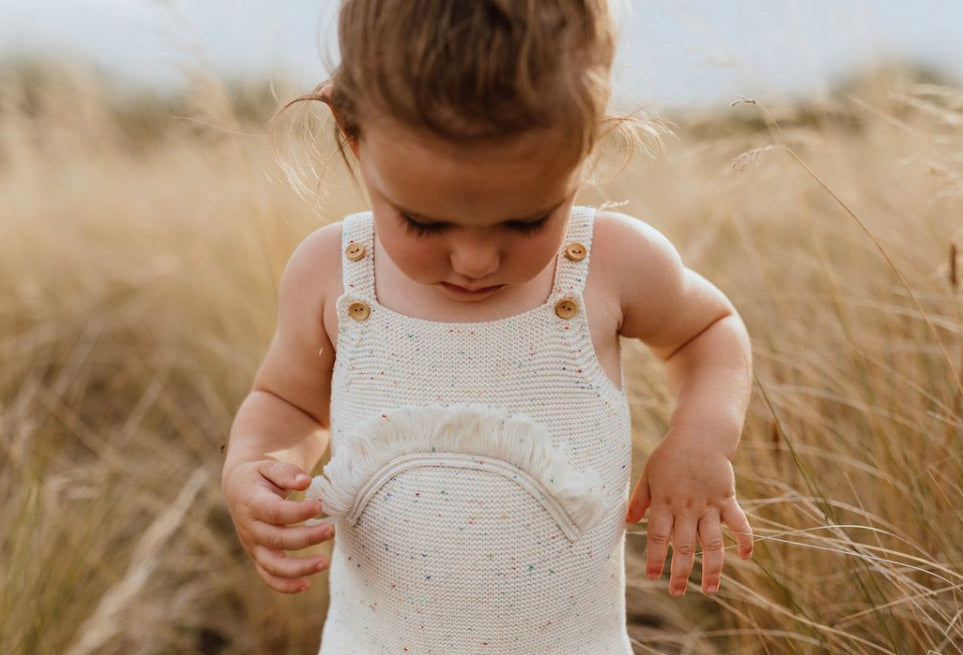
(474, 258)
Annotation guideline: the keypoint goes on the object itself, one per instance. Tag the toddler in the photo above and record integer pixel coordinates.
(459, 344)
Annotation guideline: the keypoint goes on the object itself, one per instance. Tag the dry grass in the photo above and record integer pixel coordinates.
(140, 261)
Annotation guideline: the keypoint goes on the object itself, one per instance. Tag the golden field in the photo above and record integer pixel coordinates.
(142, 242)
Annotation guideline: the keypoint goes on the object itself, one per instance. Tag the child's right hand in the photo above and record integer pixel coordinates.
(256, 494)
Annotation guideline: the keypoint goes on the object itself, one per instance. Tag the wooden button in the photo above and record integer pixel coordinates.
(359, 311)
(575, 251)
(354, 251)
(566, 308)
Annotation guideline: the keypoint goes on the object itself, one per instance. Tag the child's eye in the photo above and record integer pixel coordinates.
(428, 229)
(422, 229)
(528, 227)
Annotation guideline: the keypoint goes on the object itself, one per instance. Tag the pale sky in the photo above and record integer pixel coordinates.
(672, 52)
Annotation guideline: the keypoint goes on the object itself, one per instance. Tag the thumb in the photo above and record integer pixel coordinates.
(285, 475)
(639, 501)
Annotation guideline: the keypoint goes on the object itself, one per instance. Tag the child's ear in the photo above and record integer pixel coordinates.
(325, 93)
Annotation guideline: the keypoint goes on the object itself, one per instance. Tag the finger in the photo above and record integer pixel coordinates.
(659, 531)
(279, 564)
(290, 538)
(285, 475)
(270, 509)
(683, 554)
(639, 502)
(713, 552)
(283, 585)
(739, 526)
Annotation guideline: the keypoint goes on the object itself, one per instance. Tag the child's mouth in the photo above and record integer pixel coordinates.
(464, 291)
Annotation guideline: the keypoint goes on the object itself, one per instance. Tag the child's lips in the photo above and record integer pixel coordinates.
(467, 291)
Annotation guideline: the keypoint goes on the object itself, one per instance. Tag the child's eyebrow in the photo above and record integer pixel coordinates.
(421, 218)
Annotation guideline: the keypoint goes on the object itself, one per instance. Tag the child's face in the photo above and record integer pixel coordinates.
(469, 221)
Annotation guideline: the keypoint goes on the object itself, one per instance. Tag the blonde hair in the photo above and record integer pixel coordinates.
(472, 70)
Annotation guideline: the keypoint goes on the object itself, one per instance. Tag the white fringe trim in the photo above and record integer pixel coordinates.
(474, 430)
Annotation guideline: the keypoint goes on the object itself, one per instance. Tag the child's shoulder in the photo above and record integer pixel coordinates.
(630, 251)
(638, 270)
(319, 252)
(323, 242)
(313, 272)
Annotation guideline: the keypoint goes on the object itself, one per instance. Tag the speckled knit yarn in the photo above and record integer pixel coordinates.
(479, 475)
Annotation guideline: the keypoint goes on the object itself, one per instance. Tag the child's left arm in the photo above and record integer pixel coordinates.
(687, 485)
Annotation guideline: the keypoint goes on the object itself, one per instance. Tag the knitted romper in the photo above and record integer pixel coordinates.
(479, 475)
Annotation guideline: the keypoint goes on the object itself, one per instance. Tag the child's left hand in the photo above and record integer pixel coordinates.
(689, 491)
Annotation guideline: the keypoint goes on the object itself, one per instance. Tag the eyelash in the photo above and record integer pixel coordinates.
(429, 229)
(529, 227)
(421, 229)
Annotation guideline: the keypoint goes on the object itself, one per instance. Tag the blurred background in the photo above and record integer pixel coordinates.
(809, 161)
(673, 53)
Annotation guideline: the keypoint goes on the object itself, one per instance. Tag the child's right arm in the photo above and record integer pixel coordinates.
(280, 431)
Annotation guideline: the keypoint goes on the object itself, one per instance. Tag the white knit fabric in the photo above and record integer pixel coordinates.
(479, 478)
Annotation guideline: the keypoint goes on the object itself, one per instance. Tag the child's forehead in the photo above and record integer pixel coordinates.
(386, 134)
(438, 179)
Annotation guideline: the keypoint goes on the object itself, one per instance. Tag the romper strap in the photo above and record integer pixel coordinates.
(572, 267)
(357, 255)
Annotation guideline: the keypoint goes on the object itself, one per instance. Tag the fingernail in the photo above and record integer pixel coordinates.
(711, 589)
(301, 478)
(677, 592)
